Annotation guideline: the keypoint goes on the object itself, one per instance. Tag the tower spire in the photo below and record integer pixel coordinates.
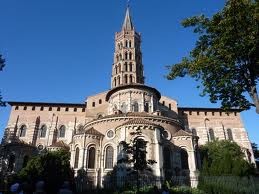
(127, 24)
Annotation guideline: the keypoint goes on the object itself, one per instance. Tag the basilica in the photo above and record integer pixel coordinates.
(92, 130)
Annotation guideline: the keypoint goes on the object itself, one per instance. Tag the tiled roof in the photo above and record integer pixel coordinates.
(59, 144)
(93, 131)
(182, 133)
(137, 121)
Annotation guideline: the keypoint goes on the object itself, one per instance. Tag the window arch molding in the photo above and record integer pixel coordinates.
(43, 131)
(109, 152)
(22, 130)
(91, 156)
(62, 131)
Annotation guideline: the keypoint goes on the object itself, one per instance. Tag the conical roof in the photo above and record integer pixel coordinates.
(127, 24)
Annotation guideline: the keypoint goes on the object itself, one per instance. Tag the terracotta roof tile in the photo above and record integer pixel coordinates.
(182, 133)
(93, 131)
(140, 121)
(59, 144)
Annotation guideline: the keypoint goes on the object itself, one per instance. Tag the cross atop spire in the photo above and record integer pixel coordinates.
(127, 24)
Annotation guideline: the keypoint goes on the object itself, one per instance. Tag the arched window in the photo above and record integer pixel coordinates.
(230, 135)
(167, 158)
(135, 107)
(43, 131)
(211, 134)
(146, 107)
(184, 159)
(117, 58)
(123, 107)
(62, 131)
(126, 43)
(109, 157)
(130, 79)
(130, 43)
(119, 80)
(91, 157)
(126, 56)
(130, 56)
(126, 66)
(115, 81)
(130, 67)
(120, 57)
(116, 69)
(76, 158)
(194, 132)
(119, 67)
(125, 79)
(23, 131)
(25, 161)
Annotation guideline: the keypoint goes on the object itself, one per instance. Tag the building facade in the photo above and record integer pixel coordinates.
(93, 130)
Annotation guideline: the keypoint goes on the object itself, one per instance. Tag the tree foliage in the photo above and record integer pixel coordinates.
(224, 158)
(52, 167)
(2, 64)
(136, 155)
(225, 55)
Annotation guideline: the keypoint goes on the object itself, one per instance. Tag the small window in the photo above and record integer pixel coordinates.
(220, 113)
(16, 107)
(62, 131)
(205, 113)
(230, 135)
(211, 134)
(58, 109)
(25, 108)
(93, 104)
(50, 108)
(100, 101)
(213, 113)
(75, 109)
(33, 108)
(41, 108)
(169, 106)
(190, 112)
(66, 109)
(198, 113)
(22, 131)
(83, 109)
(163, 103)
(235, 113)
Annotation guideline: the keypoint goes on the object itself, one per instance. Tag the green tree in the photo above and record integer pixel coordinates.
(225, 57)
(136, 155)
(2, 64)
(224, 158)
(52, 167)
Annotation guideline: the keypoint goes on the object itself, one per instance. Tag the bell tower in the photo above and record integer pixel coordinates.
(127, 67)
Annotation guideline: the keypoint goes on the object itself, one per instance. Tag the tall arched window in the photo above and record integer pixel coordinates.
(125, 79)
(116, 69)
(211, 134)
(62, 131)
(119, 80)
(43, 131)
(119, 67)
(130, 67)
(184, 159)
(230, 135)
(126, 56)
(135, 107)
(109, 157)
(76, 158)
(126, 43)
(146, 107)
(23, 129)
(120, 57)
(130, 79)
(91, 157)
(126, 66)
(130, 43)
(167, 158)
(117, 58)
(130, 56)
(115, 81)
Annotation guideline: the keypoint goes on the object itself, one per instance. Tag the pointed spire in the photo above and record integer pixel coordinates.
(127, 24)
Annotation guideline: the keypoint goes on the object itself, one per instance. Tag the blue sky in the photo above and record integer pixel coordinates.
(62, 50)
